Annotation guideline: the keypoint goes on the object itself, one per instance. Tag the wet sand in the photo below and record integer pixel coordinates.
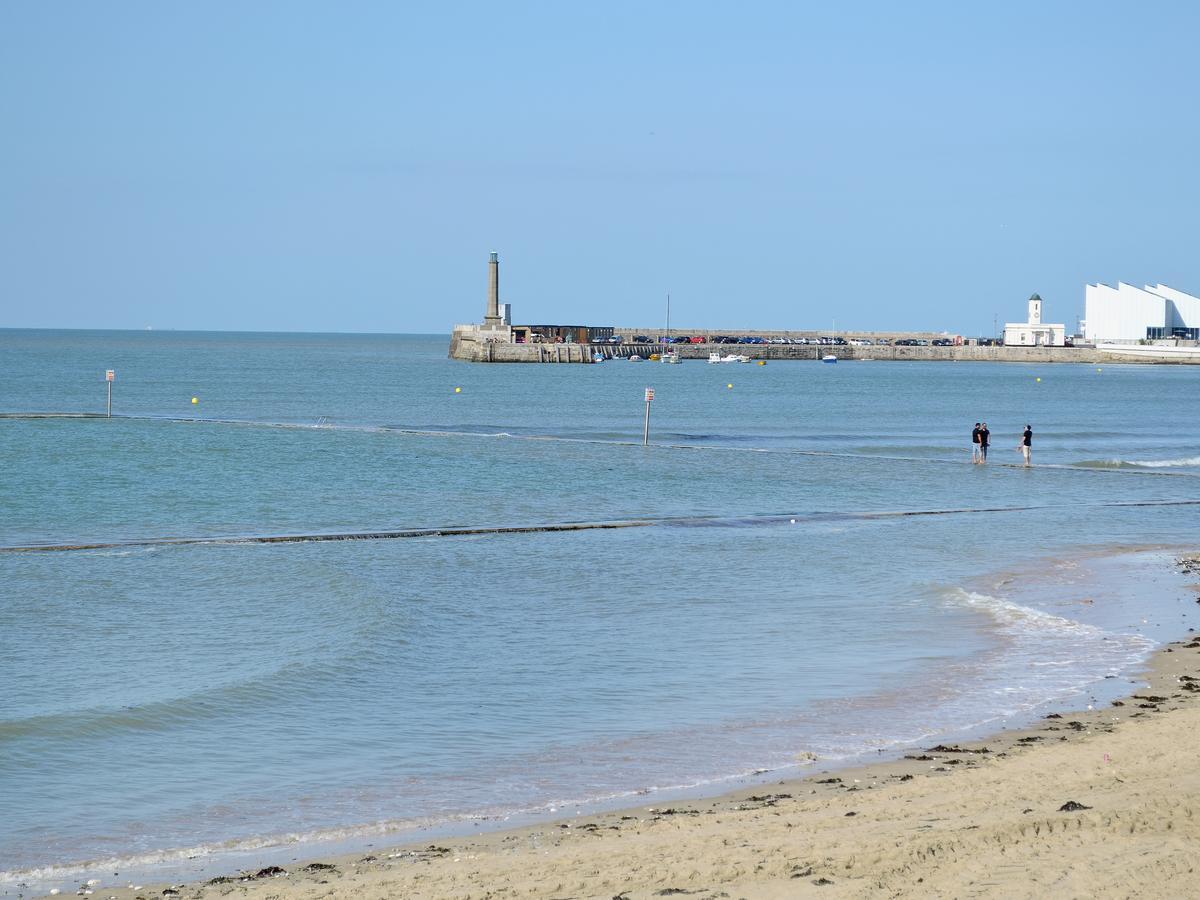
(1095, 803)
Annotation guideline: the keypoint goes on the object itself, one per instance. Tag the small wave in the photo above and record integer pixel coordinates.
(1074, 641)
(1165, 463)
(121, 552)
(1184, 462)
(257, 690)
(1014, 615)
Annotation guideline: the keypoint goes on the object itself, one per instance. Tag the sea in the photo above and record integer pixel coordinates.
(809, 573)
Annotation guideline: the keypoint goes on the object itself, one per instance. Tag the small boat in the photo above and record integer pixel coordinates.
(598, 357)
(635, 358)
(715, 357)
(672, 357)
(654, 357)
(830, 358)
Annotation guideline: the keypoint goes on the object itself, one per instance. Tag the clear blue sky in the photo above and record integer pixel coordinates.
(348, 166)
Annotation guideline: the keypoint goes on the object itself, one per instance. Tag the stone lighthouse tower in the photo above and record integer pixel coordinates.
(493, 317)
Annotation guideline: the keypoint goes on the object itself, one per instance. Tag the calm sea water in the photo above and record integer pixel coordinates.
(160, 702)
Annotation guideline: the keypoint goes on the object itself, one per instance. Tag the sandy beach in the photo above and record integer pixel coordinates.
(1092, 803)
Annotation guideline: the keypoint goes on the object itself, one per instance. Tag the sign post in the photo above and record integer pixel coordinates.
(110, 376)
(646, 429)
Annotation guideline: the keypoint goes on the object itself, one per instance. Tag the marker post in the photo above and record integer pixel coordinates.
(646, 428)
(110, 375)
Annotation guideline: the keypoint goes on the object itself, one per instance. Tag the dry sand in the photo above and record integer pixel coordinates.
(1102, 803)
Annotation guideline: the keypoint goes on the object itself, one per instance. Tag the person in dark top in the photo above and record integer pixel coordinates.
(1027, 443)
(984, 437)
(975, 443)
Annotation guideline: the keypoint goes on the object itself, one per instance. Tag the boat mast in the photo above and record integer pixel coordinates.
(668, 315)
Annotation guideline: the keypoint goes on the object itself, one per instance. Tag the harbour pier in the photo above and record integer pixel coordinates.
(498, 340)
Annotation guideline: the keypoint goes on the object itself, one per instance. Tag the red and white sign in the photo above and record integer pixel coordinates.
(110, 375)
(649, 394)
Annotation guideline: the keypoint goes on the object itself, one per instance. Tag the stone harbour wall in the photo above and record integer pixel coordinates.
(467, 346)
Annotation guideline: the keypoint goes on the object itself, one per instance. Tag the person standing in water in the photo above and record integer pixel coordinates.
(1027, 444)
(975, 443)
(984, 437)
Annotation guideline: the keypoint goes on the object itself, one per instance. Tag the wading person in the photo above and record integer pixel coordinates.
(1027, 443)
(985, 437)
(975, 443)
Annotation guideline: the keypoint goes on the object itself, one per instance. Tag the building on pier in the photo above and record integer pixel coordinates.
(560, 334)
(1034, 333)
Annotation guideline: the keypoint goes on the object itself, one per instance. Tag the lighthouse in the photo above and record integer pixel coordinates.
(493, 316)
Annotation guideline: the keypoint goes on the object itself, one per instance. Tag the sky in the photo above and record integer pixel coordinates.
(295, 166)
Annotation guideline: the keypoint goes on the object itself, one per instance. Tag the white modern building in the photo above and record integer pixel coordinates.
(1034, 333)
(1127, 313)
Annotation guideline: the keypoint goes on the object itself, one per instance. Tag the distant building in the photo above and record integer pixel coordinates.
(1034, 333)
(1127, 313)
